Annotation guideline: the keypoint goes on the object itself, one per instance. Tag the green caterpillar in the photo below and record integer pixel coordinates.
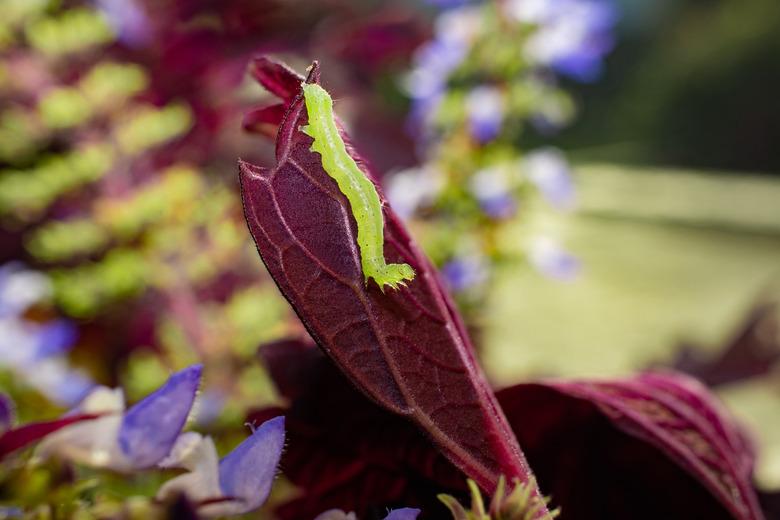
(353, 183)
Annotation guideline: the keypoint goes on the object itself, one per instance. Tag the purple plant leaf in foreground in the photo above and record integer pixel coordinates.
(406, 349)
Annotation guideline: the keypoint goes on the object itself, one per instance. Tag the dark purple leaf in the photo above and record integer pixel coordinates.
(277, 78)
(406, 349)
(770, 501)
(23, 436)
(291, 363)
(344, 451)
(618, 447)
(601, 449)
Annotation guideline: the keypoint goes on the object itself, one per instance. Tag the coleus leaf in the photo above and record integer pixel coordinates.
(406, 349)
(277, 78)
(345, 452)
(663, 429)
(645, 447)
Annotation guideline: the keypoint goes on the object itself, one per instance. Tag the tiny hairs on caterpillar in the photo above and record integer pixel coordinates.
(353, 183)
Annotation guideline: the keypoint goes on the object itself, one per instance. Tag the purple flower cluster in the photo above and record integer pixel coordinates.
(100, 432)
(149, 435)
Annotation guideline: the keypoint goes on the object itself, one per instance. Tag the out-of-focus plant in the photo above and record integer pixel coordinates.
(106, 182)
(490, 75)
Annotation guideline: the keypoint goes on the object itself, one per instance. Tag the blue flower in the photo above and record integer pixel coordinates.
(35, 352)
(411, 189)
(493, 189)
(550, 259)
(485, 108)
(436, 60)
(465, 272)
(548, 170)
(572, 37)
(150, 428)
(426, 83)
(239, 483)
(138, 438)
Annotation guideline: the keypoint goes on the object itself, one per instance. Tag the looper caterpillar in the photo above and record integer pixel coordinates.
(353, 183)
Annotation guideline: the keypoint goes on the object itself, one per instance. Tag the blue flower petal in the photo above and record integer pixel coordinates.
(247, 472)
(405, 513)
(150, 428)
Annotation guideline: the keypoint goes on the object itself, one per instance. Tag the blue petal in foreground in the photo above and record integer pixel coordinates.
(247, 473)
(150, 428)
(406, 513)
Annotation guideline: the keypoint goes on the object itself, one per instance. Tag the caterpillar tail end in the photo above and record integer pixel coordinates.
(394, 275)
